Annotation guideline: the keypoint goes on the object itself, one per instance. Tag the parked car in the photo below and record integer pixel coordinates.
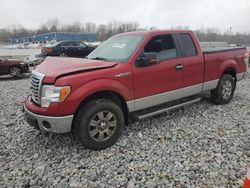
(67, 48)
(13, 67)
(130, 76)
(34, 60)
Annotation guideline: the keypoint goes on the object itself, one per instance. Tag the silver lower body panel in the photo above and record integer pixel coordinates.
(60, 124)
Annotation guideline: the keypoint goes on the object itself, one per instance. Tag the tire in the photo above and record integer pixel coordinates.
(15, 71)
(63, 54)
(224, 92)
(98, 124)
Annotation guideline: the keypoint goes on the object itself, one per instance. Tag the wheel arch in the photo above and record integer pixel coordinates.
(109, 95)
(229, 67)
(14, 66)
(231, 71)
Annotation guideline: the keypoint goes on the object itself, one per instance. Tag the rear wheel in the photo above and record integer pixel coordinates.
(15, 71)
(224, 92)
(99, 124)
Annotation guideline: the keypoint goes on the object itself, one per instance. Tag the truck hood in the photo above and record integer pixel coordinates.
(54, 67)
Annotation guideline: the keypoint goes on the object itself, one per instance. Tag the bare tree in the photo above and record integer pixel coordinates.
(53, 24)
(115, 27)
(90, 27)
(43, 29)
(104, 31)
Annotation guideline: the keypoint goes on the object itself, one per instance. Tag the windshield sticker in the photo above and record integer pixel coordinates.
(117, 45)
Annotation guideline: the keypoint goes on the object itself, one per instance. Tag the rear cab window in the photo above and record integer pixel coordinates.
(188, 47)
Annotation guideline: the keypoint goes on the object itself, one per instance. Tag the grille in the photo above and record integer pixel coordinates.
(35, 85)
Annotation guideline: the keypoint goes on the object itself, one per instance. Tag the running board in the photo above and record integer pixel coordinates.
(141, 117)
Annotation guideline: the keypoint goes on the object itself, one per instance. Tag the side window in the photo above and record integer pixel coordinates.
(188, 47)
(79, 44)
(64, 44)
(163, 46)
(69, 44)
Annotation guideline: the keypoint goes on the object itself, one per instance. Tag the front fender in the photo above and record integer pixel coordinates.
(103, 85)
(80, 94)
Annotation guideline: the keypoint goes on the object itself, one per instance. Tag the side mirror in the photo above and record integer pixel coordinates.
(146, 59)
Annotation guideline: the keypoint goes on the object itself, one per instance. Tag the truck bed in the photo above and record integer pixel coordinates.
(221, 49)
(215, 59)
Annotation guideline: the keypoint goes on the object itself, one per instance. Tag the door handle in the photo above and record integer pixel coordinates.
(179, 67)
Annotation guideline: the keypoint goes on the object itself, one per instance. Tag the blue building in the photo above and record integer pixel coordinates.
(56, 37)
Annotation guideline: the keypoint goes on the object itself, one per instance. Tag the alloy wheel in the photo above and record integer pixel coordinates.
(227, 89)
(102, 126)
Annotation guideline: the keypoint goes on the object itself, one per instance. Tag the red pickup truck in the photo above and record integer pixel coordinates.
(130, 76)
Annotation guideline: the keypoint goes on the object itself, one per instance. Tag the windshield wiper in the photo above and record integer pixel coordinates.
(99, 58)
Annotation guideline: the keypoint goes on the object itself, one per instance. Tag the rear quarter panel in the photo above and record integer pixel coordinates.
(217, 62)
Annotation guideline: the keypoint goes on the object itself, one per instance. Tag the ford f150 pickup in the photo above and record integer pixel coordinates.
(130, 76)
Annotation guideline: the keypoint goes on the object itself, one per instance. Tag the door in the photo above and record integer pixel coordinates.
(161, 82)
(4, 67)
(193, 65)
(81, 49)
(70, 49)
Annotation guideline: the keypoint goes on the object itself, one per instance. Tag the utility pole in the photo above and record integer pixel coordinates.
(230, 35)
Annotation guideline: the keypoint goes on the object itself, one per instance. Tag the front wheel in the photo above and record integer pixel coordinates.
(224, 92)
(15, 71)
(99, 124)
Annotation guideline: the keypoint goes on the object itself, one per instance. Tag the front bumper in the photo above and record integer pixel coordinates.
(60, 124)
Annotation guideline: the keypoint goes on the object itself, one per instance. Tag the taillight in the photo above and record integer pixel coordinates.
(48, 49)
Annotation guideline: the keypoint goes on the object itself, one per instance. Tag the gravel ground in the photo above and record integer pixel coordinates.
(202, 145)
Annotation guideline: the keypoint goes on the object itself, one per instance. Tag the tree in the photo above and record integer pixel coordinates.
(90, 27)
(53, 24)
(43, 29)
(109, 29)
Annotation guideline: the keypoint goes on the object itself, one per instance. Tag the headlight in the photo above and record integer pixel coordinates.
(52, 93)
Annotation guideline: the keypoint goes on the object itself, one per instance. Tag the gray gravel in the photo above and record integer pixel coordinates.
(202, 145)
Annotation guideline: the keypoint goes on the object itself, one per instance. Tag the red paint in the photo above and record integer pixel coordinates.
(217, 63)
(54, 67)
(86, 77)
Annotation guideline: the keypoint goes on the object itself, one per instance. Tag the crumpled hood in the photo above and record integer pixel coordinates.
(54, 67)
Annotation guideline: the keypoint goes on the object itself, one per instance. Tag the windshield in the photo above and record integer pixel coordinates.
(117, 48)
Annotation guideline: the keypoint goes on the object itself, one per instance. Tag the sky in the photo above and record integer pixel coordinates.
(162, 14)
